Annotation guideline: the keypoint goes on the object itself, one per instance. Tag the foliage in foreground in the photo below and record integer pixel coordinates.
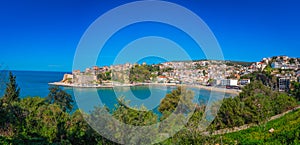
(12, 90)
(255, 104)
(286, 131)
(35, 120)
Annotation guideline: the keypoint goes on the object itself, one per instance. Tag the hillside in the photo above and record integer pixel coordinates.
(286, 131)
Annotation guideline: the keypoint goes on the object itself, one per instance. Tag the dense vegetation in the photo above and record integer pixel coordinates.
(179, 100)
(295, 90)
(242, 63)
(12, 91)
(105, 76)
(38, 120)
(230, 62)
(286, 131)
(142, 73)
(35, 120)
(265, 77)
(255, 104)
(139, 73)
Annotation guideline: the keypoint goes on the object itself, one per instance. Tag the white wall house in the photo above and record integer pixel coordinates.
(229, 82)
(276, 65)
(284, 84)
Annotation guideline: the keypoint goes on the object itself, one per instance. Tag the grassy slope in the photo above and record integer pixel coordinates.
(287, 130)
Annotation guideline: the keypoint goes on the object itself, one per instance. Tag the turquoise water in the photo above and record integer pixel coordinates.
(33, 83)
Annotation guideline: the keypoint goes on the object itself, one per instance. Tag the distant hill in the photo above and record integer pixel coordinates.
(242, 63)
(228, 62)
(232, 62)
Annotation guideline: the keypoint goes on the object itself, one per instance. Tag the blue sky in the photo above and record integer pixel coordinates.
(43, 34)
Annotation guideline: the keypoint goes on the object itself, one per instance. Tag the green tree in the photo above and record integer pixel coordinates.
(60, 97)
(12, 91)
(153, 68)
(52, 122)
(136, 117)
(255, 104)
(264, 77)
(255, 87)
(12, 118)
(100, 121)
(139, 73)
(282, 102)
(295, 90)
(167, 69)
(230, 114)
(79, 131)
(104, 76)
(171, 103)
(132, 117)
(268, 70)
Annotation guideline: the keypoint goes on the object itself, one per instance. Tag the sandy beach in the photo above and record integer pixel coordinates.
(230, 91)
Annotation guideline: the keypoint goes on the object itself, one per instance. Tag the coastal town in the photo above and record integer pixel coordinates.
(211, 73)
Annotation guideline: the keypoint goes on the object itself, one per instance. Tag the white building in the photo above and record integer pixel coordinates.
(276, 65)
(245, 81)
(284, 84)
(229, 82)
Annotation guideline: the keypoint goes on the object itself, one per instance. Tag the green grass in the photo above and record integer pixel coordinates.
(287, 131)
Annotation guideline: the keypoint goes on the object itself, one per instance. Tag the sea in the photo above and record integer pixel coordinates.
(35, 83)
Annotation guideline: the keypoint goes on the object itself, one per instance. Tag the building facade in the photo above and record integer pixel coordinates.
(284, 84)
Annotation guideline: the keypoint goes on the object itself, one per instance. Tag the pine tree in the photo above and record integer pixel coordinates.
(12, 91)
(61, 98)
(171, 101)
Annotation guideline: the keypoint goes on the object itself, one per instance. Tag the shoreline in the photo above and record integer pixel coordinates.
(209, 88)
(215, 89)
